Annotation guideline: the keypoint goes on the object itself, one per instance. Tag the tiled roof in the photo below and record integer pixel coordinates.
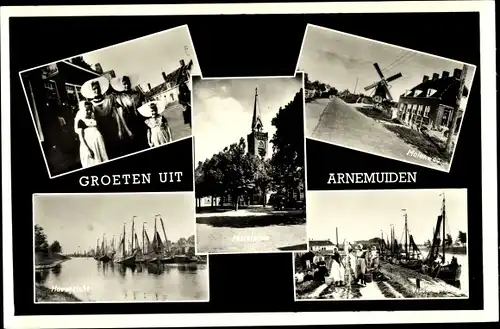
(445, 88)
(320, 243)
(174, 78)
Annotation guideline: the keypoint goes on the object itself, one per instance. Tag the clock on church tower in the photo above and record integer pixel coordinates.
(258, 139)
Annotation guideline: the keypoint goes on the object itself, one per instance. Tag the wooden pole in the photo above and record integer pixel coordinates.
(456, 110)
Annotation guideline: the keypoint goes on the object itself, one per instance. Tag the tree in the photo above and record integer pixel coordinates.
(462, 237)
(190, 240)
(288, 146)
(55, 247)
(41, 244)
(181, 241)
(449, 240)
(307, 82)
(428, 243)
(238, 168)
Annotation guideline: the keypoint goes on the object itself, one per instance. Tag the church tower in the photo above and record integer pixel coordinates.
(257, 140)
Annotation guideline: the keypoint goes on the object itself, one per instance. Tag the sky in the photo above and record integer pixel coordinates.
(339, 59)
(80, 219)
(327, 210)
(223, 109)
(147, 57)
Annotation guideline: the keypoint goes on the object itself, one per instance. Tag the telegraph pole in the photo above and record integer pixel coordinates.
(457, 109)
(356, 85)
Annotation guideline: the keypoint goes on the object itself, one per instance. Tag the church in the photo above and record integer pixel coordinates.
(257, 144)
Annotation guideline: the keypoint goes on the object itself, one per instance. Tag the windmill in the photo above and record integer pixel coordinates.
(381, 87)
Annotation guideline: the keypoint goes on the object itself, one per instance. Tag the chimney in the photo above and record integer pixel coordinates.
(98, 68)
(149, 86)
(182, 63)
(457, 73)
(435, 76)
(164, 76)
(445, 74)
(425, 78)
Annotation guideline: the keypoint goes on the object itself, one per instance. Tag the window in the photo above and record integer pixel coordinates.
(413, 108)
(426, 111)
(51, 90)
(417, 92)
(74, 94)
(431, 92)
(444, 120)
(420, 108)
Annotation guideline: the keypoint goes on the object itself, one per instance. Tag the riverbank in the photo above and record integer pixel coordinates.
(45, 261)
(44, 294)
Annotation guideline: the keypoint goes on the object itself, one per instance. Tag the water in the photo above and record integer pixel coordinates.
(90, 280)
(462, 260)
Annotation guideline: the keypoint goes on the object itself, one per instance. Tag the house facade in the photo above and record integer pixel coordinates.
(321, 245)
(53, 93)
(168, 90)
(432, 102)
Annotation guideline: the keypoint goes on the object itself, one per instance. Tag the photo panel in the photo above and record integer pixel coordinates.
(117, 247)
(383, 99)
(402, 244)
(113, 102)
(250, 164)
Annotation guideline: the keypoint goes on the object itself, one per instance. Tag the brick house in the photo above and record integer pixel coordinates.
(431, 102)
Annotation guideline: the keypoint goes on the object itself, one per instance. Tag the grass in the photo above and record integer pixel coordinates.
(429, 146)
(44, 294)
(375, 114)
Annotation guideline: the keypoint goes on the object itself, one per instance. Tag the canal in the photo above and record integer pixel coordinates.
(90, 280)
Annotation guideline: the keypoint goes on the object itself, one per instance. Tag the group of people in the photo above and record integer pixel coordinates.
(356, 264)
(115, 120)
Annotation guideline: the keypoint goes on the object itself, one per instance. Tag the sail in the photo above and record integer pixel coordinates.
(149, 245)
(120, 251)
(436, 241)
(157, 243)
(138, 246)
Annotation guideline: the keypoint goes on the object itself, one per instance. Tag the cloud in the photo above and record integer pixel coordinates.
(218, 122)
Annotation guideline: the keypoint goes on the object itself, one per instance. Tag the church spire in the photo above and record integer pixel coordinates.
(256, 120)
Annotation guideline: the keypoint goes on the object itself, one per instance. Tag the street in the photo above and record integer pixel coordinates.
(250, 230)
(336, 122)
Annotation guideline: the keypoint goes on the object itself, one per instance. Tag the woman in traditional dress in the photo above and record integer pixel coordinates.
(92, 148)
(159, 132)
(129, 101)
(360, 264)
(337, 271)
(112, 125)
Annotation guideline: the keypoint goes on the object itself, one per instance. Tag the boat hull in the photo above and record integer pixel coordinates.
(129, 260)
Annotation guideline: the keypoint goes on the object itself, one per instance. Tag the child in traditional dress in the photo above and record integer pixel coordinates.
(92, 147)
(159, 132)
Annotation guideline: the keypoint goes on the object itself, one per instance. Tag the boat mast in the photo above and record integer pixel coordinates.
(155, 239)
(123, 241)
(164, 234)
(337, 235)
(143, 245)
(406, 233)
(133, 222)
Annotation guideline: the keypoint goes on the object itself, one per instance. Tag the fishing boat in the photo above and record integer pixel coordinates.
(410, 257)
(146, 254)
(163, 248)
(435, 264)
(123, 256)
(105, 255)
(97, 251)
